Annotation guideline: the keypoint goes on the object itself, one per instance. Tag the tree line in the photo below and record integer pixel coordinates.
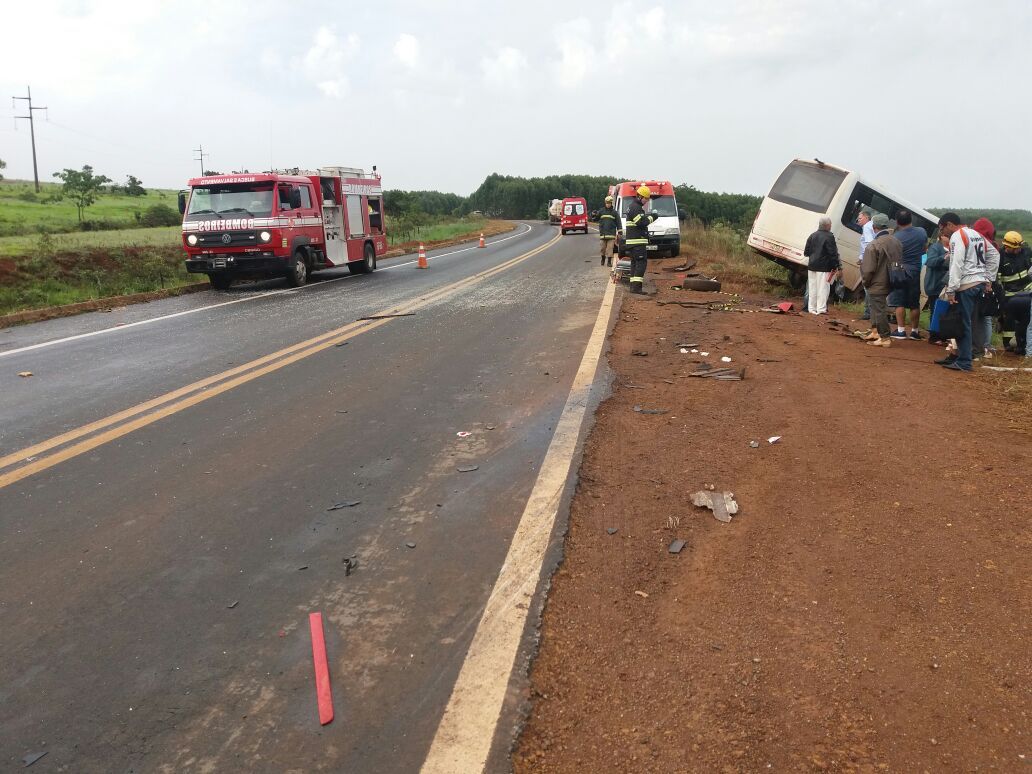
(509, 196)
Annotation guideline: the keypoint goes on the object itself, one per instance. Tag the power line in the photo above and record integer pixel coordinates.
(199, 150)
(32, 130)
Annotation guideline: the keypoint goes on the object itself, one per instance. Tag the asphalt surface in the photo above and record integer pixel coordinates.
(155, 587)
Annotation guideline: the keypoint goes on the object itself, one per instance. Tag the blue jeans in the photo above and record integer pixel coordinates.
(1028, 340)
(968, 300)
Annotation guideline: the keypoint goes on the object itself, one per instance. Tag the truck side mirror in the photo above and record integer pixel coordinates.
(295, 198)
(182, 202)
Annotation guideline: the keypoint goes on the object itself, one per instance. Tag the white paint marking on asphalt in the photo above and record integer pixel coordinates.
(463, 738)
(322, 283)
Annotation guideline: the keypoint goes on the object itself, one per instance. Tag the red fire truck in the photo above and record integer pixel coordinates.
(284, 223)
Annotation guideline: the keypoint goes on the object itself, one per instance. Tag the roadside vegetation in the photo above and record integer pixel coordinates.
(721, 250)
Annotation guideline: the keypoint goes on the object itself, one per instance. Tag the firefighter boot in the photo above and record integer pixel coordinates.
(603, 262)
(609, 261)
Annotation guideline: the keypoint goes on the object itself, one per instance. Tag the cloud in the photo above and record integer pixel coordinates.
(576, 51)
(325, 62)
(406, 49)
(505, 69)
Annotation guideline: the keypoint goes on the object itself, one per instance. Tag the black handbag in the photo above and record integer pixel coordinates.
(898, 277)
(951, 324)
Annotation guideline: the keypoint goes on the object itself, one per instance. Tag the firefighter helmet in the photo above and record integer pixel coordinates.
(1013, 240)
(643, 191)
(609, 200)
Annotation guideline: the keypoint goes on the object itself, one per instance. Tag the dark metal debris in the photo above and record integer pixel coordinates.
(386, 316)
(233, 604)
(640, 353)
(410, 545)
(676, 547)
(468, 468)
(611, 530)
(345, 504)
(640, 410)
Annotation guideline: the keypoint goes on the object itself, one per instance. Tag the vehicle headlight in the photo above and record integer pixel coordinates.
(191, 240)
(265, 236)
(672, 231)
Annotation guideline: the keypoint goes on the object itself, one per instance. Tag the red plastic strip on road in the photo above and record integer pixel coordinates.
(322, 670)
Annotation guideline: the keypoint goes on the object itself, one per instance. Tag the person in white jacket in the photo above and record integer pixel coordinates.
(974, 261)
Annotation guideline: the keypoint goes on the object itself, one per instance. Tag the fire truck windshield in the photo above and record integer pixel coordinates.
(223, 200)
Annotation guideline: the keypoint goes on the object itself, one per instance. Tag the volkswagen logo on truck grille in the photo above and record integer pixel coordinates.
(226, 239)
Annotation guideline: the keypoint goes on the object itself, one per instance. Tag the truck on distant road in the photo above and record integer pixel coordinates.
(555, 211)
(283, 223)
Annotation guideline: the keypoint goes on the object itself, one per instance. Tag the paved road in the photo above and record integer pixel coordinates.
(164, 487)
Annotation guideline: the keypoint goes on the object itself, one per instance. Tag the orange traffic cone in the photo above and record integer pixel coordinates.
(421, 263)
(481, 240)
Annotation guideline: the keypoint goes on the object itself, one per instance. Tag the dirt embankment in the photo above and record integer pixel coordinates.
(867, 610)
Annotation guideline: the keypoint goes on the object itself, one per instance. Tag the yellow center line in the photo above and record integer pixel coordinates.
(192, 394)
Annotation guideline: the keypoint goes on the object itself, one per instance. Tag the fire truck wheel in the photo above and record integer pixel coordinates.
(220, 281)
(297, 274)
(367, 264)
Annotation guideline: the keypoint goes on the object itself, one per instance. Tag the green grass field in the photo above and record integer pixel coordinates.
(19, 215)
(164, 236)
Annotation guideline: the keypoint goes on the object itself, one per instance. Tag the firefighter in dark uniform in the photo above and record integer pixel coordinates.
(608, 224)
(636, 238)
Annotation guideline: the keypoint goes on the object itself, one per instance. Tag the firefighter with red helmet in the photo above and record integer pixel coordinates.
(636, 237)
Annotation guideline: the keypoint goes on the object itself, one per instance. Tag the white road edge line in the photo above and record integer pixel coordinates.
(464, 736)
(255, 297)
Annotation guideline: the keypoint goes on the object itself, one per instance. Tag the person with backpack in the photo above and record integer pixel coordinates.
(973, 265)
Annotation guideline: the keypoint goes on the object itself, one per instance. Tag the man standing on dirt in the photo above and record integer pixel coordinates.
(866, 237)
(607, 227)
(874, 271)
(973, 265)
(822, 252)
(913, 239)
(637, 237)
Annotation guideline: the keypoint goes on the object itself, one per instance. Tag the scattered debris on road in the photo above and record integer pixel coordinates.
(612, 530)
(31, 758)
(410, 544)
(774, 439)
(302, 567)
(676, 547)
(25, 374)
(754, 444)
(640, 410)
(232, 604)
(725, 359)
(640, 353)
(722, 374)
(350, 564)
(345, 504)
(642, 594)
(386, 316)
(463, 434)
(468, 468)
(322, 671)
(722, 504)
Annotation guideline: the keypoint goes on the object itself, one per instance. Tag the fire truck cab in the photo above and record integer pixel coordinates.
(284, 223)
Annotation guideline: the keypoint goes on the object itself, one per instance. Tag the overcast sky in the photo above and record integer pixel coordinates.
(930, 98)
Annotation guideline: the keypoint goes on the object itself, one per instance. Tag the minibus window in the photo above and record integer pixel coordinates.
(807, 186)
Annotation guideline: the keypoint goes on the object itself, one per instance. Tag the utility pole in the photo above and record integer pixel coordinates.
(32, 131)
(199, 150)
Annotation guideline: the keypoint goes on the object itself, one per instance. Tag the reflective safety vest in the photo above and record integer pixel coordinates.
(608, 222)
(637, 231)
(1014, 271)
